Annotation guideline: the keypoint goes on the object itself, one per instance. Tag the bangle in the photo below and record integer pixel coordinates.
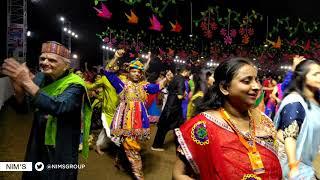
(294, 165)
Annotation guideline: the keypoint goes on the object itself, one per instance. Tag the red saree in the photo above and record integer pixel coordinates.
(215, 152)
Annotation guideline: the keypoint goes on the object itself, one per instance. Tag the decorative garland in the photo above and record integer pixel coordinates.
(230, 27)
(158, 9)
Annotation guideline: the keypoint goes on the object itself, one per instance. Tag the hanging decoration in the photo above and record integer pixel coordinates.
(208, 26)
(97, 1)
(175, 27)
(293, 42)
(109, 37)
(284, 25)
(228, 34)
(103, 12)
(131, 2)
(161, 52)
(133, 18)
(155, 24)
(229, 25)
(137, 43)
(276, 44)
(159, 9)
(170, 52)
(204, 14)
(110, 41)
(246, 31)
(182, 54)
(308, 45)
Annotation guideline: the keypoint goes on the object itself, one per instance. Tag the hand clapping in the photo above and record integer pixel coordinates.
(16, 71)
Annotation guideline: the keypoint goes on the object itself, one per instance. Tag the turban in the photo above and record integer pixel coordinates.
(136, 64)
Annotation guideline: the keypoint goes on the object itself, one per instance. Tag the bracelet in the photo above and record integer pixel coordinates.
(294, 164)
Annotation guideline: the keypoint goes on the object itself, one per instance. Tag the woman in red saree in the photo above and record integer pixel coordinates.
(229, 139)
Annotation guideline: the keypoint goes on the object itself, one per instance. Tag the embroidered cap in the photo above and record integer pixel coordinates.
(136, 64)
(55, 48)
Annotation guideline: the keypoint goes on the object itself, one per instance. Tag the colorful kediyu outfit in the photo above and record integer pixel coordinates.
(297, 121)
(213, 150)
(130, 121)
(152, 106)
(60, 107)
(272, 106)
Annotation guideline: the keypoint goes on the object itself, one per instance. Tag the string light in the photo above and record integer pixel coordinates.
(285, 67)
(178, 60)
(108, 48)
(212, 64)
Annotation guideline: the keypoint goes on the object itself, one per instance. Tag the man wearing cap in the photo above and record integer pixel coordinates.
(60, 105)
(130, 123)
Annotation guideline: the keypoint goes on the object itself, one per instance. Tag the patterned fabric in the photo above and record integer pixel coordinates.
(292, 116)
(199, 133)
(153, 109)
(131, 117)
(291, 131)
(308, 138)
(225, 157)
(55, 48)
(136, 64)
(132, 149)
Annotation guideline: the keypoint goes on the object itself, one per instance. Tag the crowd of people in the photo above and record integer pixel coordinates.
(228, 124)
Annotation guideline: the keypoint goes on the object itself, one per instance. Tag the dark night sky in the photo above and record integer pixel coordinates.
(43, 19)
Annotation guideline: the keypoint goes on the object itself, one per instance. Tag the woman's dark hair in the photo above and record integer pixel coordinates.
(181, 70)
(223, 74)
(208, 74)
(152, 77)
(197, 82)
(299, 79)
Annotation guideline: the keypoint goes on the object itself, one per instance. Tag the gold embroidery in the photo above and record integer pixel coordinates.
(251, 177)
(292, 130)
(264, 124)
(134, 92)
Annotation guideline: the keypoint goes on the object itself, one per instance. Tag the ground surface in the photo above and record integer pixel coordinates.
(14, 133)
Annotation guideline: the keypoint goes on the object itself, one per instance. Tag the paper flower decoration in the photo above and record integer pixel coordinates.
(227, 40)
(155, 24)
(103, 12)
(170, 52)
(176, 27)
(307, 47)
(109, 41)
(161, 52)
(133, 18)
(276, 44)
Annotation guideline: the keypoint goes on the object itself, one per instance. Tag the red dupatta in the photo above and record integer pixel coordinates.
(215, 152)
